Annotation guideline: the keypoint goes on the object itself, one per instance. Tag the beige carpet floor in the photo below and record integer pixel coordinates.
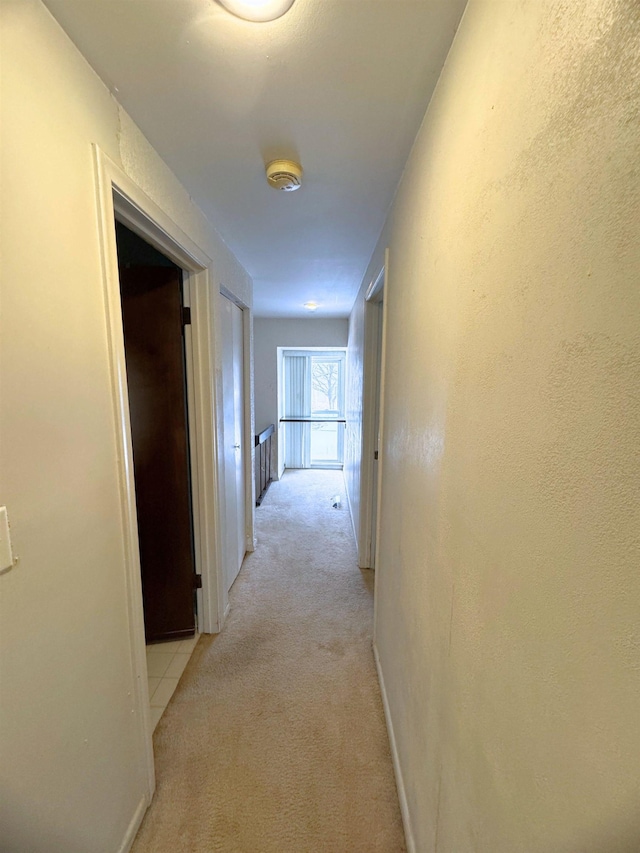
(275, 741)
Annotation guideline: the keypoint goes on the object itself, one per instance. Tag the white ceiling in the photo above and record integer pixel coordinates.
(340, 85)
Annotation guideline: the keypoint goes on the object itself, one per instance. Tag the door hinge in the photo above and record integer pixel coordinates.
(375, 455)
(186, 315)
(197, 581)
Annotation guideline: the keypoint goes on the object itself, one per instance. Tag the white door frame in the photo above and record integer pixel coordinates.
(119, 197)
(372, 340)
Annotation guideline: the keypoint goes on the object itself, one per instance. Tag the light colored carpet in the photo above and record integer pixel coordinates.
(275, 741)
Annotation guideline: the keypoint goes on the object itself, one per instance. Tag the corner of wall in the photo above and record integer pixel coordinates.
(395, 757)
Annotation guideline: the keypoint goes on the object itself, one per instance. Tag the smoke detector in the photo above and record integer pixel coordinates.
(284, 175)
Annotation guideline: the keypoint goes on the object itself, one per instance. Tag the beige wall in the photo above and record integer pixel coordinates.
(71, 765)
(508, 591)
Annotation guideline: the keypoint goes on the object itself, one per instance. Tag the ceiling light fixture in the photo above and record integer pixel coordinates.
(257, 10)
(311, 306)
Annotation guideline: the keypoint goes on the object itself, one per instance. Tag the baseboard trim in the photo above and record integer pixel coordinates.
(134, 826)
(353, 522)
(402, 794)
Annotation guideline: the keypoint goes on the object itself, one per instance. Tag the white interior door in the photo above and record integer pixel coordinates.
(234, 541)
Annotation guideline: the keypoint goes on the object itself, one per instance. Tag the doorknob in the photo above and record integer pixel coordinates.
(236, 447)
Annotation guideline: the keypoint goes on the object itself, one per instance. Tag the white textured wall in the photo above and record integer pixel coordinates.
(271, 333)
(508, 591)
(70, 764)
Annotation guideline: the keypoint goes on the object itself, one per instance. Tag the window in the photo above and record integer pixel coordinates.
(313, 383)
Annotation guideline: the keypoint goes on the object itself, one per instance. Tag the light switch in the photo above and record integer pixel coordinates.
(6, 555)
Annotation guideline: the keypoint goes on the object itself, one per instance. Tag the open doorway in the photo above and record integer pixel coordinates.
(120, 198)
(374, 312)
(372, 420)
(154, 317)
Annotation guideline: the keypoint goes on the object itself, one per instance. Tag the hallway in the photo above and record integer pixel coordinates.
(473, 162)
(275, 738)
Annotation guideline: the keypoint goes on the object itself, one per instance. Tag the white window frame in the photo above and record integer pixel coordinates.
(331, 353)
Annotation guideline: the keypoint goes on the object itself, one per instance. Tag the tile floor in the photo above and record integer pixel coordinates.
(165, 665)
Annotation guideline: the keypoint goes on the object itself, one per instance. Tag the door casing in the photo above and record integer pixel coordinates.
(372, 417)
(120, 198)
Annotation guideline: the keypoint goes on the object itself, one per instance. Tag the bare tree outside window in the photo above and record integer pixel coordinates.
(325, 380)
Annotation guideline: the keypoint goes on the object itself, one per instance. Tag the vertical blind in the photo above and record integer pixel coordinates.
(297, 404)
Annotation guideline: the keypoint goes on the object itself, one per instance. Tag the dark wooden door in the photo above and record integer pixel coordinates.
(153, 333)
